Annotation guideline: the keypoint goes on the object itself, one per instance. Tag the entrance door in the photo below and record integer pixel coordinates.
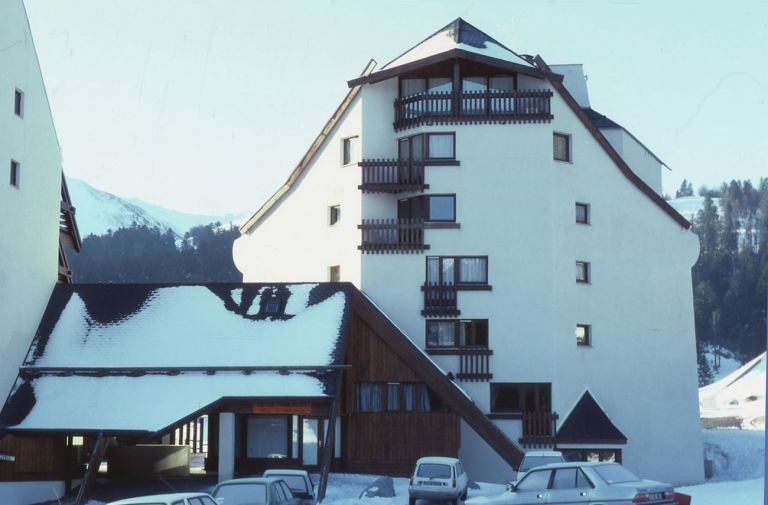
(311, 440)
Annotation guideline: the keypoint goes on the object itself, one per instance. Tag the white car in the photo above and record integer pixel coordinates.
(298, 481)
(169, 499)
(532, 459)
(437, 478)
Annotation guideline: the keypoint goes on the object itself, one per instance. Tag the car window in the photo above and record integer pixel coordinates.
(615, 474)
(582, 481)
(536, 480)
(565, 478)
(295, 482)
(434, 471)
(180, 502)
(278, 492)
(459, 469)
(286, 490)
(238, 494)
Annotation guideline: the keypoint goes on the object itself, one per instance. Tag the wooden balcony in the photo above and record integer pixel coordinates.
(474, 364)
(392, 176)
(519, 106)
(440, 300)
(392, 236)
(539, 429)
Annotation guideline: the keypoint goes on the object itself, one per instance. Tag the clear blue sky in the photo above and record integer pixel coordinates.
(207, 105)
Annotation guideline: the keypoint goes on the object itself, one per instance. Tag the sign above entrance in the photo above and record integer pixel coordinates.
(282, 408)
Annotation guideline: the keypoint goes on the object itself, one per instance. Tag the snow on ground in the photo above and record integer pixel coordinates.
(735, 454)
(738, 399)
(744, 492)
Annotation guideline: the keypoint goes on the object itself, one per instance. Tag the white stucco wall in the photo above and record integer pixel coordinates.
(639, 159)
(29, 229)
(516, 205)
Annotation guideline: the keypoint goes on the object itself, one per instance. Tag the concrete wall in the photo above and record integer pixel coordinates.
(30, 213)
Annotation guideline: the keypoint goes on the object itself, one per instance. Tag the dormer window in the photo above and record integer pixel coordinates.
(271, 304)
(272, 307)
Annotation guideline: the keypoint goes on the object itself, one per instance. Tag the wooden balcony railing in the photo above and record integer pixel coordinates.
(539, 429)
(392, 235)
(392, 176)
(519, 106)
(440, 300)
(474, 364)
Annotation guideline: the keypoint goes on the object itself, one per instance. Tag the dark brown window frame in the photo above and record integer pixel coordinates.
(457, 330)
(344, 142)
(468, 286)
(425, 157)
(421, 388)
(568, 155)
(15, 180)
(586, 268)
(426, 206)
(18, 102)
(487, 77)
(334, 214)
(587, 335)
(586, 208)
(522, 387)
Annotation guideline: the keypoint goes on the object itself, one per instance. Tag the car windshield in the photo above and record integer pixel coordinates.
(434, 471)
(534, 461)
(295, 482)
(242, 494)
(615, 474)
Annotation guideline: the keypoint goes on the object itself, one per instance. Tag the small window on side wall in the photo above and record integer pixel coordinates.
(334, 273)
(441, 146)
(582, 213)
(18, 103)
(582, 272)
(349, 150)
(334, 214)
(15, 173)
(583, 334)
(561, 146)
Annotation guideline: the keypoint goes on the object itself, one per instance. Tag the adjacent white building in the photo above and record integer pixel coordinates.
(516, 237)
(38, 220)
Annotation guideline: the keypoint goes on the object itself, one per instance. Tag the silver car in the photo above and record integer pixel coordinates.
(592, 483)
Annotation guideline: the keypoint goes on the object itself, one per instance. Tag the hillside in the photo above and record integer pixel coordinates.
(736, 400)
(99, 211)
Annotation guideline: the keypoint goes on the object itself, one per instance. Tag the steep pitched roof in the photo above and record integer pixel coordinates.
(309, 156)
(588, 423)
(602, 121)
(557, 83)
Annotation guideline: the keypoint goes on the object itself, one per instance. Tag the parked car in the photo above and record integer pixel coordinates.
(533, 459)
(581, 482)
(299, 482)
(169, 499)
(438, 479)
(254, 491)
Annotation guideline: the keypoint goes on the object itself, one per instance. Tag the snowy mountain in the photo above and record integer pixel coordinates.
(738, 399)
(99, 211)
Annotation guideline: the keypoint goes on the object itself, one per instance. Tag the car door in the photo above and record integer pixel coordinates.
(532, 489)
(569, 487)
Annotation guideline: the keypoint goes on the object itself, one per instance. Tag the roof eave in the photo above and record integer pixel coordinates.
(448, 55)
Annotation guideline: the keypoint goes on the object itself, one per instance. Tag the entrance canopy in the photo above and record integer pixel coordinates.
(139, 358)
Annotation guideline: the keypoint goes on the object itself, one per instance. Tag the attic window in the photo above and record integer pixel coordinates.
(272, 307)
(271, 303)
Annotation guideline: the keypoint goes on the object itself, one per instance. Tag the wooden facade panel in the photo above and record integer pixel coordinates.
(36, 458)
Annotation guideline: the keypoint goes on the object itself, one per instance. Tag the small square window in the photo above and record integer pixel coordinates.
(334, 273)
(18, 103)
(582, 272)
(561, 146)
(272, 307)
(441, 208)
(15, 173)
(582, 213)
(583, 334)
(334, 214)
(441, 146)
(349, 150)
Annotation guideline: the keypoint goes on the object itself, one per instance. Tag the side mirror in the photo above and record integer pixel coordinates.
(512, 486)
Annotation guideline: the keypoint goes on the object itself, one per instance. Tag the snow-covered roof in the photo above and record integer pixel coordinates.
(459, 34)
(141, 357)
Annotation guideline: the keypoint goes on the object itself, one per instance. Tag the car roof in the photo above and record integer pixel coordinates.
(544, 453)
(279, 471)
(575, 463)
(156, 497)
(251, 480)
(437, 459)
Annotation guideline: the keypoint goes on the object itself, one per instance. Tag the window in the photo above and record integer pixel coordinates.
(334, 273)
(267, 436)
(427, 146)
(582, 272)
(432, 208)
(583, 334)
(595, 455)
(461, 270)
(18, 103)
(457, 333)
(15, 173)
(349, 150)
(415, 86)
(535, 481)
(392, 396)
(582, 213)
(334, 214)
(520, 397)
(562, 146)
(565, 478)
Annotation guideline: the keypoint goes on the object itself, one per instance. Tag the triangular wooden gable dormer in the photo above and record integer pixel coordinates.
(587, 423)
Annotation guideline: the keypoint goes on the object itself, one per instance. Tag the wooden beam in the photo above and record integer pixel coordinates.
(330, 441)
(97, 455)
